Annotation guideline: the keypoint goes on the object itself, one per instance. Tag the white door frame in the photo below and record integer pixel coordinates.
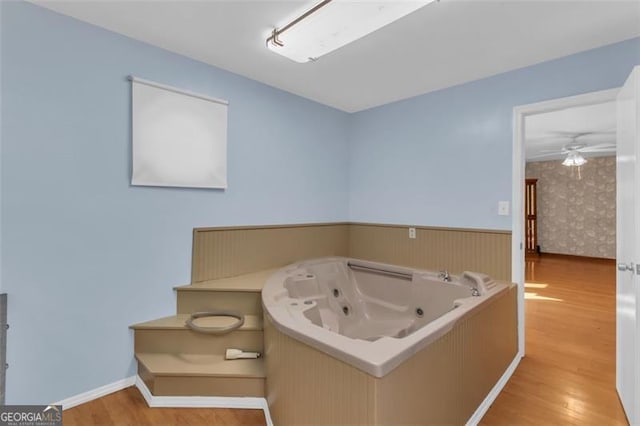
(517, 224)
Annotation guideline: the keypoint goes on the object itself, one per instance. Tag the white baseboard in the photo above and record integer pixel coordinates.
(96, 393)
(495, 391)
(203, 401)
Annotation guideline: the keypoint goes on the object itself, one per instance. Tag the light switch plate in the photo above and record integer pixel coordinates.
(503, 208)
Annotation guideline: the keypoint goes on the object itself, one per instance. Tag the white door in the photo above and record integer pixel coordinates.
(628, 248)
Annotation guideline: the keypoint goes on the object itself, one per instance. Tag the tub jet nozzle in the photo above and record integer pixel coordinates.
(240, 354)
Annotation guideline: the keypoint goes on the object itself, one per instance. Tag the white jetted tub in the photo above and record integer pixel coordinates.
(370, 315)
(356, 342)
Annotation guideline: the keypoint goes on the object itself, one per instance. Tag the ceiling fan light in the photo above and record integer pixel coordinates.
(579, 160)
(574, 159)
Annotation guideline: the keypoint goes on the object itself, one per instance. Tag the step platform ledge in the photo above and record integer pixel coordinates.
(178, 322)
(203, 401)
(249, 283)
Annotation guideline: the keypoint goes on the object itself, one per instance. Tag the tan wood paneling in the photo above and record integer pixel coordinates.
(189, 341)
(489, 348)
(306, 386)
(446, 382)
(188, 302)
(443, 383)
(427, 388)
(146, 376)
(226, 252)
(206, 386)
(453, 249)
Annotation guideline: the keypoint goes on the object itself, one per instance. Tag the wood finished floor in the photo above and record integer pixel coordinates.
(128, 408)
(567, 376)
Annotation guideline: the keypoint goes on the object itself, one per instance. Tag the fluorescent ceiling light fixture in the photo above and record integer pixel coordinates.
(574, 159)
(331, 24)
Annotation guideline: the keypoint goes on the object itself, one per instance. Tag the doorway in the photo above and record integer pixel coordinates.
(524, 116)
(518, 221)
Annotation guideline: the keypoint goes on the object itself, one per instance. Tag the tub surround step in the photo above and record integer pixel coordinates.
(215, 365)
(187, 341)
(174, 360)
(240, 293)
(201, 375)
(171, 335)
(242, 283)
(177, 322)
(246, 302)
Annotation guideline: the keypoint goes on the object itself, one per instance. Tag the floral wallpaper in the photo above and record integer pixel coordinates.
(576, 216)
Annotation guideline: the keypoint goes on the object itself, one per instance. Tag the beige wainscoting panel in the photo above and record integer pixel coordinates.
(455, 250)
(489, 348)
(227, 252)
(308, 387)
(447, 381)
(206, 386)
(427, 388)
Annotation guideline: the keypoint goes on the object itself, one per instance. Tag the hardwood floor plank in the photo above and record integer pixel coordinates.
(127, 407)
(568, 373)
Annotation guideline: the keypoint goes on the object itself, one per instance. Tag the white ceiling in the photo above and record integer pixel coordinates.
(441, 45)
(593, 126)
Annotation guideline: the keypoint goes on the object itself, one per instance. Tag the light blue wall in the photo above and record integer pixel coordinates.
(444, 158)
(84, 254)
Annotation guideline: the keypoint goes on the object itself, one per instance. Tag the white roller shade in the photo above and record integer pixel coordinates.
(179, 138)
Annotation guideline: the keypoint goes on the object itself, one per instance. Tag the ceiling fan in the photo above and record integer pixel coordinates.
(574, 158)
(577, 144)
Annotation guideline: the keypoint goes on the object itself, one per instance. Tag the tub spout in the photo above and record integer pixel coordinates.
(444, 275)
